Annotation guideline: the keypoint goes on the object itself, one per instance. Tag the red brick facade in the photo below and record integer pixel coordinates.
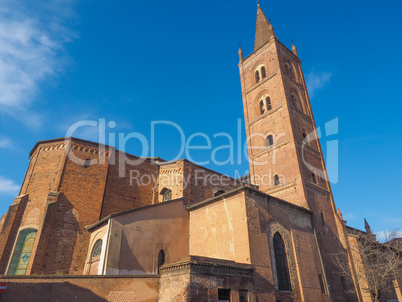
(191, 233)
(60, 196)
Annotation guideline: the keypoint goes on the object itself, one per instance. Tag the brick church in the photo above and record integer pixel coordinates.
(82, 230)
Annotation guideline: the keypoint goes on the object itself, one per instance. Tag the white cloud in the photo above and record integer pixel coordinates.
(317, 80)
(5, 143)
(8, 186)
(32, 36)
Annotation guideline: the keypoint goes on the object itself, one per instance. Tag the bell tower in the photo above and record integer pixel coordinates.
(279, 122)
(285, 156)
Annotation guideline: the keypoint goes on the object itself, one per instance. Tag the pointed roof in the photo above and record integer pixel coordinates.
(367, 226)
(263, 29)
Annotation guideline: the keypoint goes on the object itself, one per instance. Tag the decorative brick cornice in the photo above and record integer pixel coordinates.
(271, 149)
(256, 85)
(268, 113)
(309, 149)
(90, 149)
(51, 147)
(64, 142)
(303, 115)
(208, 265)
(279, 188)
(289, 78)
(171, 171)
(315, 187)
(74, 146)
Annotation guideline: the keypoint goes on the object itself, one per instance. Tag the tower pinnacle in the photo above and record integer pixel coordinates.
(240, 53)
(340, 213)
(367, 226)
(263, 30)
(294, 49)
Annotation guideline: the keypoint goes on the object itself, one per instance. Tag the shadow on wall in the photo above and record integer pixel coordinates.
(59, 257)
(61, 292)
(129, 264)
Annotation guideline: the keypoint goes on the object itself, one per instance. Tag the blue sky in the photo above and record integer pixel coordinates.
(133, 62)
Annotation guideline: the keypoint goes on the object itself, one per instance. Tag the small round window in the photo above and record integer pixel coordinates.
(96, 251)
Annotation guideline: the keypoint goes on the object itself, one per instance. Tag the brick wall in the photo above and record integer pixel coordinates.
(135, 188)
(193, 182)
(266, 216)
(9, 230)
(81, 288)
(199, 278)
(79, 204)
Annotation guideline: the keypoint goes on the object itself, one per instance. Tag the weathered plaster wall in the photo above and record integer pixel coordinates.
(219, 230)
(137, 237)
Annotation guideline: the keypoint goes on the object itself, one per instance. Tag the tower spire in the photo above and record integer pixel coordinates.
(263, 30)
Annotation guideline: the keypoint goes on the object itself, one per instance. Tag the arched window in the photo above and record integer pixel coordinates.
(322, 218)
(296, 102)
(97, 249)
(257, 76)
(281, 261)
(270, 140)
(22, 252)
(262, 108)
(94, 261)
(220, 192)
(263, 74)
(166, 194)
(314, 178)
(268, 103)
(289, 71)
(161, 258)
(276, 180)
(265, 105)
